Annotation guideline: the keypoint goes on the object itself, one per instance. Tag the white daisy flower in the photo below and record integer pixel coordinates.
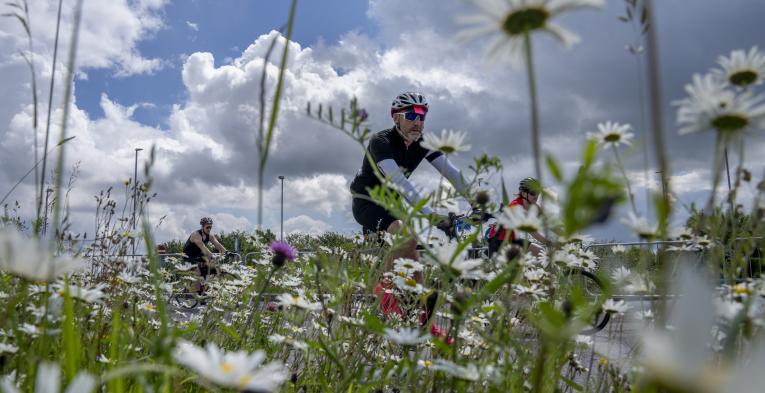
(29, 329)
(534, 291)
(444, 254)
(48, 380)
(612, 134)
(742, 68)
(645, 315)
(128, 277)
(466, 266)
(534, 275)
(468, 373)
(615, 307)
(521, 219)
(584, 340)
(279, 339)
(577, 238)
(621, 274)
(640, 226)
(682, 233)
(30, 258)
(701, 243)
(448, 142)
(8, 348)
(407, 266)
(89, 295)
(288, 300)
(511, 19)
(709, 106)
(727, 309)
(408, 284)
(405, 336)
(567, 259)
(239, 370)
(639, 284)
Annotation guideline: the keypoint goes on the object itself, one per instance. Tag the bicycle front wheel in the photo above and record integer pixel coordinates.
(184, 300)
(593, 289)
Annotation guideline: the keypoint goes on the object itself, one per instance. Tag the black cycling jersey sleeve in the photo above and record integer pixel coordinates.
(380, 148)
(433, 155)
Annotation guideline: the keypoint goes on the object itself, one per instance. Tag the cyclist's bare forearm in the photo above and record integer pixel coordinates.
(217, 245)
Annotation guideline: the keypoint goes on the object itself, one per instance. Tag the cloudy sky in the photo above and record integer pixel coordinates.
(185, 76)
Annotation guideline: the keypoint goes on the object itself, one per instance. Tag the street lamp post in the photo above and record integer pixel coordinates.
(281, 231)
(48, 191)
(135, 190)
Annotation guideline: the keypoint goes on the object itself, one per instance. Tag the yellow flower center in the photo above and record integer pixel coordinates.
(524, 20)
(730, 122)
(227, 368)
(614, 137)
(295, 298)
(410, 282)
(244, 380)
(428, 363)
(740, 289)
(401, 274)
(743, 78)
(446, 149)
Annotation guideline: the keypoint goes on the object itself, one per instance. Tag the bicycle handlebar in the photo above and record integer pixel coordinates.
(460, 222)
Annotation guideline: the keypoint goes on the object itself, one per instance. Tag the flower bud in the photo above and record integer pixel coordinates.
(482, 198)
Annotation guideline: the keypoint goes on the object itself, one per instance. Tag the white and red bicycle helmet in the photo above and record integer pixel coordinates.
(409, 99)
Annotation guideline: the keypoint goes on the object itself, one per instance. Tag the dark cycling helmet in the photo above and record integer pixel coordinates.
(205, 221)
(529, 184)
(408, 99)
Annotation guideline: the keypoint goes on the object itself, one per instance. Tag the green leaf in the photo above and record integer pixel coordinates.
(505, 196)
(554, 168)
(572, 384)
(590, 153)
(230, 332)
(373, 323)
(71, 337)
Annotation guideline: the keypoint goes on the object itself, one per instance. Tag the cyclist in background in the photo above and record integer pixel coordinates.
(196, 250)
(527, 196)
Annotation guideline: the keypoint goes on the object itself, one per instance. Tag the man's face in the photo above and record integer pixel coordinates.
(207, 228)
(410, 123)
(530, 197)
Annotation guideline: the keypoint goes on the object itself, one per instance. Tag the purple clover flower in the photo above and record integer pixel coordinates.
(283, 252)
(363, 115)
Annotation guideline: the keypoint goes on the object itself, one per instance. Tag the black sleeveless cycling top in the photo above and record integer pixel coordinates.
(192, 250)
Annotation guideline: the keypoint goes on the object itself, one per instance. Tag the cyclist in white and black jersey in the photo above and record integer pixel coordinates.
(397, 153)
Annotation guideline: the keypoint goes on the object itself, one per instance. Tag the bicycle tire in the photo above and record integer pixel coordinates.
(600, 318)
(185, 300)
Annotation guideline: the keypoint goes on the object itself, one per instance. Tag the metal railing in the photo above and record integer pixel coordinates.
(692, 256)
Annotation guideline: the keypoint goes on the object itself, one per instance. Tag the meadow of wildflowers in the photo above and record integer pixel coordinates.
(353, 315)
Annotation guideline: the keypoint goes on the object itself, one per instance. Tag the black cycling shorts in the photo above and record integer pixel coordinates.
(495, 243)
(372, 217)
(204, 270)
